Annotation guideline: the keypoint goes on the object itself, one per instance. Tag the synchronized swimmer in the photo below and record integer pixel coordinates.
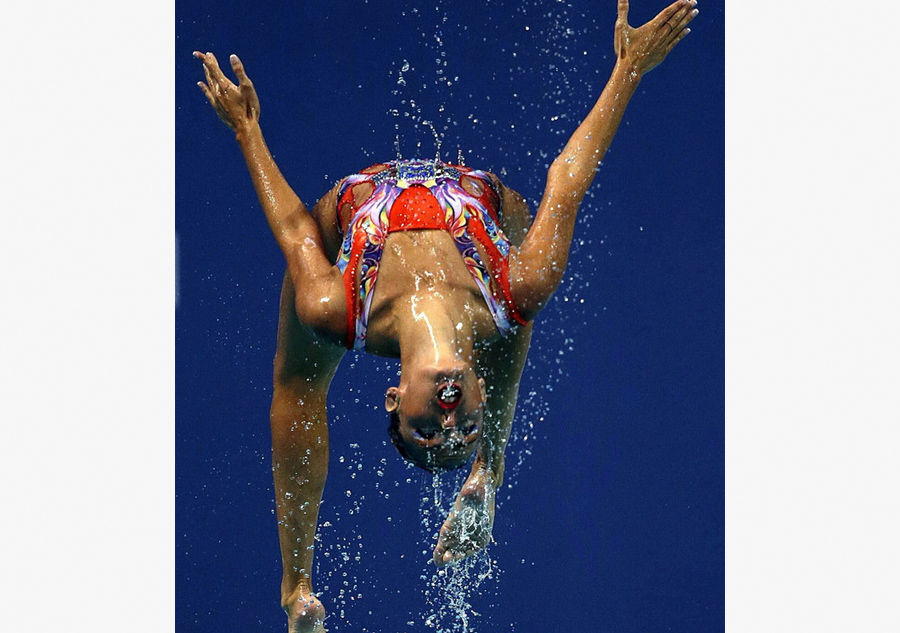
(438, 265)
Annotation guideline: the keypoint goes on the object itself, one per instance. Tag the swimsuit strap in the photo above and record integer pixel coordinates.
(477, 218)
(361, 252)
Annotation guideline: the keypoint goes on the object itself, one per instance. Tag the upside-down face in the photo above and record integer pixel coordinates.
(437, 416)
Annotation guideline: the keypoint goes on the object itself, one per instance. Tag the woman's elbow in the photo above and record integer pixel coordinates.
(534, 291)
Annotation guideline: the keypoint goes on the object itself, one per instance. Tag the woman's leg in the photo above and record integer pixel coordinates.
(304, 367)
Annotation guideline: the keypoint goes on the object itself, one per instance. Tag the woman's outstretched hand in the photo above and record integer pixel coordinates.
(644, 48)
(237, 105)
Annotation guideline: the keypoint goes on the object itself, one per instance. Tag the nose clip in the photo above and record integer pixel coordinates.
(449, 396)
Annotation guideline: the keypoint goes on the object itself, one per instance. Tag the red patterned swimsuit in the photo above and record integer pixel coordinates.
(414, 195)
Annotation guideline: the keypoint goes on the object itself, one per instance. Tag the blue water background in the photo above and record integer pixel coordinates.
(614, 517)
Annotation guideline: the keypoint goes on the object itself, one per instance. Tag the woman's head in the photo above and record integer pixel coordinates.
(436, 416)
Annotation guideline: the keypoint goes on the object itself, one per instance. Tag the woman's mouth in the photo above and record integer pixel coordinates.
(449, 396)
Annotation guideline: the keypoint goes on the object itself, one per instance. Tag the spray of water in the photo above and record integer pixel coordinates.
(454, 596)
(449, 591)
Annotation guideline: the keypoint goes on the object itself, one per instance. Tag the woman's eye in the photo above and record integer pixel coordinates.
(425, 435)
(468, 430)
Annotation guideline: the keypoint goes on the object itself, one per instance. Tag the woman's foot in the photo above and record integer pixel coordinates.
(305, 612)
(468, 527)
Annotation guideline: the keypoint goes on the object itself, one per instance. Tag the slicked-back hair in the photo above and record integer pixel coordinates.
(400, 445)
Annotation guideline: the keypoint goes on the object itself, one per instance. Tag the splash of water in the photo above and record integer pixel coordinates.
(449, 590)
(412, 87)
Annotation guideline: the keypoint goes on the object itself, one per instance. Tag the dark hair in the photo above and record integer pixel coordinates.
(400, 445)
(394, 432)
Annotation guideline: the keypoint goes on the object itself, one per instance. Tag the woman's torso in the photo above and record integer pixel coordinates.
(421, 227)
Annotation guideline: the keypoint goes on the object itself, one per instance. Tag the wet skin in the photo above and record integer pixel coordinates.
(426, 311)
(306, 613)
(440, 413)
(440, 431)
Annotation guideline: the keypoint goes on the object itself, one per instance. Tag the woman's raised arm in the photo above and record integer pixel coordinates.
(320, 290)
(537, 267)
